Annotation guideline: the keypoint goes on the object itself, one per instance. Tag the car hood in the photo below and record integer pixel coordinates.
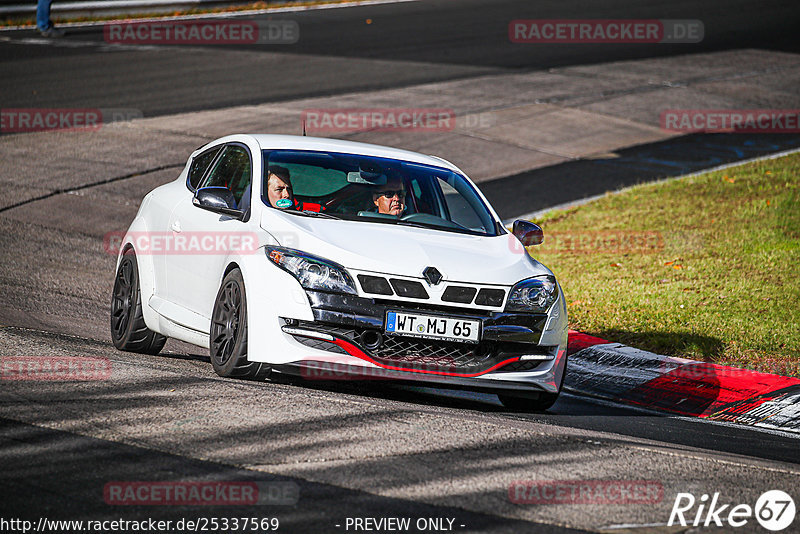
(405, 250)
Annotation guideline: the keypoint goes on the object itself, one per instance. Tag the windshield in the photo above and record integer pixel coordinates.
(371, 189)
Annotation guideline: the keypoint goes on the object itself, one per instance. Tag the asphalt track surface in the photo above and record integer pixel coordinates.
(55, 441)
(405, 43)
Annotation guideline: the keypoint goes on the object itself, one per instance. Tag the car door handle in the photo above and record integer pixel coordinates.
(176, 226)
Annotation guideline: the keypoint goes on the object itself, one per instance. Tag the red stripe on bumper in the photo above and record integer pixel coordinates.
(358, 353)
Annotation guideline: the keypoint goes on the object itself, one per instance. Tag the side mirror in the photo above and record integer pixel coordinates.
(219, 200)
(528, 233)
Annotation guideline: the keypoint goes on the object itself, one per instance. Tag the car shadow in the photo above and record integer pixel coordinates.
(619, 420)
(652, 383)
(668, 343)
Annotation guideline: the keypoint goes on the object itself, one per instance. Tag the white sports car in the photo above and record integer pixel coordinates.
(328, 259)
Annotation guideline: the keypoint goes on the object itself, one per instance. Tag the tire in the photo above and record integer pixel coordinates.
(527, 404)
(128, 329)
(228, 336)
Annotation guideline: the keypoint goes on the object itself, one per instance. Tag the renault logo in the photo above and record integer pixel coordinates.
(432, 275)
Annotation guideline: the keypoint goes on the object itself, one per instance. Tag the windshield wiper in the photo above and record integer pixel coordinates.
(444, 227)
(309, 213)
(419, 224)
(319, 214)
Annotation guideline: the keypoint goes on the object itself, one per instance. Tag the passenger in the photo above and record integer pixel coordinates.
(279, 188)
(391, 198)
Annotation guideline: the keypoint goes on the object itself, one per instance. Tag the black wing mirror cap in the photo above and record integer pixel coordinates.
(528, 233)
(219, 200)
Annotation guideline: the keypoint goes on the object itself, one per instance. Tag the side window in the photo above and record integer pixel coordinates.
(232, 170)
(199, 166)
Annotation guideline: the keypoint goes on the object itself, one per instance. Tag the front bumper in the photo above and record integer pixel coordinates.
(351, 326)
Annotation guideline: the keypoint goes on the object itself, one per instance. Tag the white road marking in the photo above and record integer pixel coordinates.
(69, 43)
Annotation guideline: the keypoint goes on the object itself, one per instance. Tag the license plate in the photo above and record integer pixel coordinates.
(433, 327)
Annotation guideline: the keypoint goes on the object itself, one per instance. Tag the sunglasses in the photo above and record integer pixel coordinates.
(401, 193)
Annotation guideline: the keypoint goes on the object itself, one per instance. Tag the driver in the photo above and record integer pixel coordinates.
(279, 187)
(391, 198)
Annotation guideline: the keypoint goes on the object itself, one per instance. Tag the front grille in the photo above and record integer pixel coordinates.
(408, 288)
(410, 353)
(375, 285)
(429, 354)
(461, 294)
(490, 297)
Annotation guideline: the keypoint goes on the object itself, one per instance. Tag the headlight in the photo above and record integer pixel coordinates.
(533, 295)
(313, 272)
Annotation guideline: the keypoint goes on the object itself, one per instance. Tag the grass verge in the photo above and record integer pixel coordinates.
(704, 267)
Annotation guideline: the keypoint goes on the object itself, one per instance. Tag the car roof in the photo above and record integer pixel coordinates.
(324, 144)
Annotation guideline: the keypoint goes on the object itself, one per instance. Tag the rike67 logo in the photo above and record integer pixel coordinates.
(774, 510)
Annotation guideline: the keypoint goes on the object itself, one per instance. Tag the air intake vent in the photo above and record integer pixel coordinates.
(464, 295)
(409, 289)
(374, 284)
(490, 297)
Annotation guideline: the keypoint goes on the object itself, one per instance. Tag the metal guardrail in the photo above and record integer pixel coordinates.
(110, 6)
